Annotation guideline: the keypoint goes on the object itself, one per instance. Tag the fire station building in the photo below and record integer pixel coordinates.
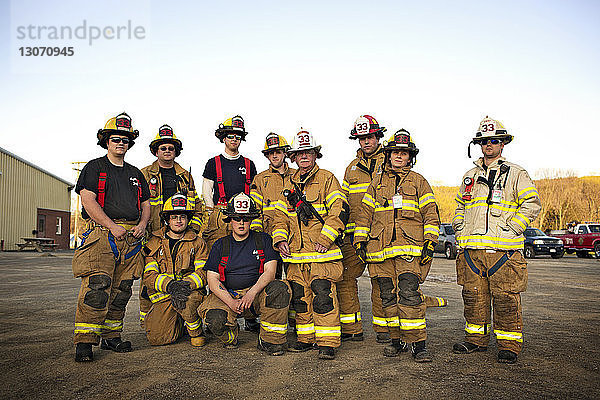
(33, 203)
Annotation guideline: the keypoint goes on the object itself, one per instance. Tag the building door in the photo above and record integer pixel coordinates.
(41, 225)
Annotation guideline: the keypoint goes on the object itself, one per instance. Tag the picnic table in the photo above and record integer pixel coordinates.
(39, 244)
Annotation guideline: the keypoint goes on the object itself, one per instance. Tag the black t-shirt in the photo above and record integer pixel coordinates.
(234, 175)
(120, 191)
(169, 182)
(243, 264)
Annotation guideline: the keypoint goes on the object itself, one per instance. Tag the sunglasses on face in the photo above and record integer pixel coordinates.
(119, 140)
(240, 219)
(166, 148)
(483, 142)
(234, 136)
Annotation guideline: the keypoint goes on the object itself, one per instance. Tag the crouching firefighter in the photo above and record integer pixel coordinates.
(397, 228)
(496, 201)
(115, 202)
(174, 276)
(307, 228)
(241, 276)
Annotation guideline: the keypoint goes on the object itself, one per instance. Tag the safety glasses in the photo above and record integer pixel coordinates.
(483, 142)
(119, 140)
(240, 219)
(166, 148)
(234, 136)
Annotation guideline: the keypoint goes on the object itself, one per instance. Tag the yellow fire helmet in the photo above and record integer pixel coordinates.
(119, 125)
(166, 135)
(490, 129)
(303, 140)
(401, 140)
(274, 142)
(231, 125)
(177, 204)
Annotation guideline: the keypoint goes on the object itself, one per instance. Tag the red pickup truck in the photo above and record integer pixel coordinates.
(581, 239)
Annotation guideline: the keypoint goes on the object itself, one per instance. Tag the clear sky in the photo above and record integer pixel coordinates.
(435, 68)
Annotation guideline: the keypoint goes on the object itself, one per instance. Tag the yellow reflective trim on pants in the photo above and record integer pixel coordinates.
(328, 331)
(230, 337)
(292, 314)
(441, 301)
(142, 316)
(193, 325)
(379, 321)
(411, 324)
(350, 318)
(477, 329)
(276, 328)
(113, 324)
(305, 329)
(393, 321)
(81, 327)
(504, 335)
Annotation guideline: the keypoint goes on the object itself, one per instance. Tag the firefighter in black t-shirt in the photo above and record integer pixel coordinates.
(115, 202)
(241, 276)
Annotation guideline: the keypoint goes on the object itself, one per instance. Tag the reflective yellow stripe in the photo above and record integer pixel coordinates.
(257, 224)
(298, 258)
(142, 316)
(426, 199)
(199, 264)
(156, 297)
(505, 335)
(379, 321)
(81, 327)
(350, 227)
(113, 324)
(477, 329)
(345, 186)
(394, 251)
(327, 331)
(393, 321)
(151, 266)
(333, 196)
(192, 326)
(441, 301)
(358, 188)
(412, 324)
(305, 329)
(369, 200)
(361, 231)
(276, 328)
(159, 284)
(328, 231)
(350, 318)
(432, 230)
(481, 241)
(230, 337)
(197, 279)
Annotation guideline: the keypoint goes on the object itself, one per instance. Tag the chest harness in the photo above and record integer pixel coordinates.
(221, 186)
(225, 250)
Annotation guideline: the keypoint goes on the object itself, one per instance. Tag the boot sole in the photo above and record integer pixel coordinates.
(465, 350)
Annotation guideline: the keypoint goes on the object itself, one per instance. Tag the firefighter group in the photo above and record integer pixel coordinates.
(281, 250)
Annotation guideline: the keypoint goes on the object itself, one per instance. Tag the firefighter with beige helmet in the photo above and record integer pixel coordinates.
(173, 275)
(268, 185)
(115, 202)
(308, 222)
(496, 201)
(396, 229)
(166, 177)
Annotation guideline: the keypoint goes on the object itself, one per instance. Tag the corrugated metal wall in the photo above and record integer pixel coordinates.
(24, 189)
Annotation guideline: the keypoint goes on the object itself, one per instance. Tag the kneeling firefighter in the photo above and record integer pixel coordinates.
(173, 274)
(397, 227)
(241, 271)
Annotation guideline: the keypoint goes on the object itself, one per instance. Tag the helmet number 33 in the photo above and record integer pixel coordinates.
(242, 206)
(303, 140)
(488, 128)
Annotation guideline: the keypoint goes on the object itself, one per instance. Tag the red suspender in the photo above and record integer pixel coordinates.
(222, 265)
(221, 187)
(101, 187)
(139, 196)
(261, 257)
(248, 180)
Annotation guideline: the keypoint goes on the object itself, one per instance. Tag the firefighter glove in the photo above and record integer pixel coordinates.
(427, 252)
(361, 251)
(179, 291)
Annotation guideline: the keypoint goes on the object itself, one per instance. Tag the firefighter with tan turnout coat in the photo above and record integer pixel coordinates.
(268, 185)
(115, 202)
(496, 201)
(173, 275)
(396, 231)
(308, 221)
(165, 178)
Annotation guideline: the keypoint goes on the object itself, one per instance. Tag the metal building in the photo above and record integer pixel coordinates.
(32, 199)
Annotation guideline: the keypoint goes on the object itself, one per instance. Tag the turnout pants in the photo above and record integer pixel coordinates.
(403, 302)
(164, 323)
(347, 292)
(271, 304)
(493, 279)
(107, 268)
(216, 228)
(315, 300)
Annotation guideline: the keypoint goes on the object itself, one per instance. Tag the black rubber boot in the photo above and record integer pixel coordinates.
(419, 352)
(326, 353)
(272, 349)
(507, 357)
(251, 325)
(83, 352)
(116, 344)
(467, 348)
(396, 347)
(299, 347)
(355, 337)
(383, 337)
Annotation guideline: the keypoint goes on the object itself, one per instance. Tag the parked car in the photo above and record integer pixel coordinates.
(446, 242)
(582, 239)
(537, 243)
